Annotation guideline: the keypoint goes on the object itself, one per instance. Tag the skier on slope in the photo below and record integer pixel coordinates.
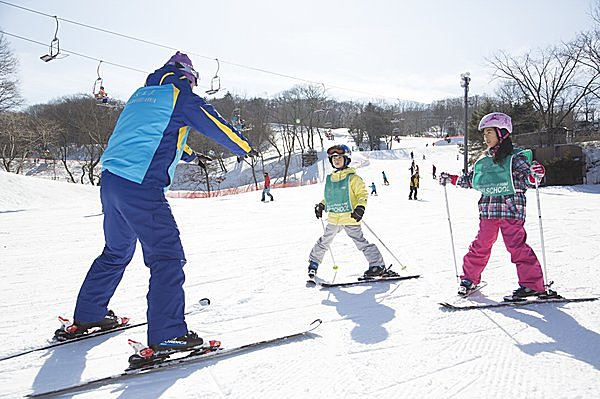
(345, 199)
(414, 185)
(137, 167)
(385, 179)
(373, 188)
(502, 174)
(267, 188)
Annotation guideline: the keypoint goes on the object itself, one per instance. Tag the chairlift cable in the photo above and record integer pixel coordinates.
(262, 70)
(74, 53)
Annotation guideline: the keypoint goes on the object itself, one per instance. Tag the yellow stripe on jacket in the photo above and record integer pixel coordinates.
(230, 133)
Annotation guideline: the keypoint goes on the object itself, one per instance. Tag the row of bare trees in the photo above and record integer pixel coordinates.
(76, 128)
(73, 128)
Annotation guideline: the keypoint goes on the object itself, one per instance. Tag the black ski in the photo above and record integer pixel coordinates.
(525, 302)
(54, 343)
(171, 363)
(368, 281)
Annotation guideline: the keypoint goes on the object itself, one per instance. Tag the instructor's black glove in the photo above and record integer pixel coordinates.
(358, 213)
(319, 208)
(203, 158)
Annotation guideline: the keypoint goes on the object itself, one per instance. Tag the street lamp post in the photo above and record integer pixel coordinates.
(465, 79)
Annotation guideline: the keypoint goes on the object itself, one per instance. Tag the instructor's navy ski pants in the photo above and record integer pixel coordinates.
(135, 212)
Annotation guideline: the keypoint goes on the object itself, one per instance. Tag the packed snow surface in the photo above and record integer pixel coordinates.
(384, 340)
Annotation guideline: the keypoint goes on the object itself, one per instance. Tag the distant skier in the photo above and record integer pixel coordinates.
(138, 165)
(412, 155)
(412, 168)
(434, 170)
(385, 180)
(502, 174)
(267, 188)
(414, 185)
(373, 189)
(345, 200)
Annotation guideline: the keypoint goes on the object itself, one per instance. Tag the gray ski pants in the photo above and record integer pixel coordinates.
(370, 251)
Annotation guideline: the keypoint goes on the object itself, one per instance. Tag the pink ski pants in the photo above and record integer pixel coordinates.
(529, 270)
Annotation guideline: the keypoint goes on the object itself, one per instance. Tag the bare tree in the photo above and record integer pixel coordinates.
(12, 142)
(314, 104)
(553, 79)
(9, 92)
(374, 123)
(288, 115)
(83, 134)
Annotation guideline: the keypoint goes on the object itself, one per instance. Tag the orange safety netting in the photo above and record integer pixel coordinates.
(235, 190)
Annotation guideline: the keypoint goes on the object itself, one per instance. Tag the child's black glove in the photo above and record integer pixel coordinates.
(358, 213)
(319, 208)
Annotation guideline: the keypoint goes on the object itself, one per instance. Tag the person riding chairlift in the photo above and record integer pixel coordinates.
(102, 95)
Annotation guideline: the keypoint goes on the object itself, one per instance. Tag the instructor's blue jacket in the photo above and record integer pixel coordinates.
(150, 135)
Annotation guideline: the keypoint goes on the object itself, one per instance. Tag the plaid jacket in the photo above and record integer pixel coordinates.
(504, 206)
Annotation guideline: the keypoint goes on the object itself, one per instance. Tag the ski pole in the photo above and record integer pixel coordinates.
(451, 235)
(539, 208)
(335, 266)
(385, 246)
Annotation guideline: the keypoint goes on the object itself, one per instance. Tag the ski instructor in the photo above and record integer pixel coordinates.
(137, 168)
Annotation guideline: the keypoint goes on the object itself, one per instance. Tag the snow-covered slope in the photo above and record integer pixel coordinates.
(387, 340)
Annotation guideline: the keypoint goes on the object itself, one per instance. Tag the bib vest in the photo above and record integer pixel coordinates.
(494, 179)
(337, 195)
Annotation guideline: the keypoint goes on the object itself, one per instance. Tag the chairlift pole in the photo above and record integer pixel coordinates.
(465, 79)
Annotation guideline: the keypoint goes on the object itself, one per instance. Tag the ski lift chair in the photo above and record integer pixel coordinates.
(215, 82)
(98, 90)
(54, 46)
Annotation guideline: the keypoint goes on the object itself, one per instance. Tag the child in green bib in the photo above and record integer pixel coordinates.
(502, 175)
(345, 200)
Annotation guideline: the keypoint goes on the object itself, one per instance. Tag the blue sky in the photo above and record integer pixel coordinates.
(393, 49)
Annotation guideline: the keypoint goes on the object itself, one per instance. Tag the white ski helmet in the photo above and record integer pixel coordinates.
(499, 121)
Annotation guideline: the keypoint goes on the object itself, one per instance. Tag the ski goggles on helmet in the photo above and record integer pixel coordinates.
(336, 155)
(337, 150)
(189, 72)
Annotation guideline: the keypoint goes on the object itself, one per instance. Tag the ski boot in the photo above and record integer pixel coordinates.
(184, 343)
(374, 271)
(466, 287)
(145, 356)
(73, 329)
(521, 294)
(312, 269)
